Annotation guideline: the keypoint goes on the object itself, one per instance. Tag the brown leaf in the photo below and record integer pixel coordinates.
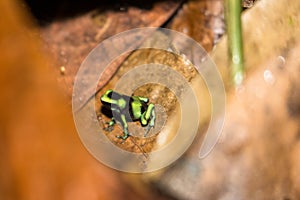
(72, 40)
(41, 154)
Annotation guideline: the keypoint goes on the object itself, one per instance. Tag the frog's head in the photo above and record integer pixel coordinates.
(110, 98)
(106, 98)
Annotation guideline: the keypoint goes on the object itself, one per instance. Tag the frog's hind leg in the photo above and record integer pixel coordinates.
(149, 114)
(143, 99)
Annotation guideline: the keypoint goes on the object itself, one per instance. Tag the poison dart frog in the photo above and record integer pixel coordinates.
(127, 109)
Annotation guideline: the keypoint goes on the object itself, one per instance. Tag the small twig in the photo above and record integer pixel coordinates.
(140, 148)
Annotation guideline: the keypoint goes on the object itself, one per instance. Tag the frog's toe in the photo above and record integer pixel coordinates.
(123, 137)
(109, 128)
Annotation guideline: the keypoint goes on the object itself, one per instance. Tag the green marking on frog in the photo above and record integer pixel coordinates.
(126, 109)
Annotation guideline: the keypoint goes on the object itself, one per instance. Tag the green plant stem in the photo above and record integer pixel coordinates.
(235, 42)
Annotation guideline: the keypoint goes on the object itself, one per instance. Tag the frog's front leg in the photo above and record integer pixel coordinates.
(110, 124)
(125, 128)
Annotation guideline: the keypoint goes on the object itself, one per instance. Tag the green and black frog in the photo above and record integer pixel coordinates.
(124, 109)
